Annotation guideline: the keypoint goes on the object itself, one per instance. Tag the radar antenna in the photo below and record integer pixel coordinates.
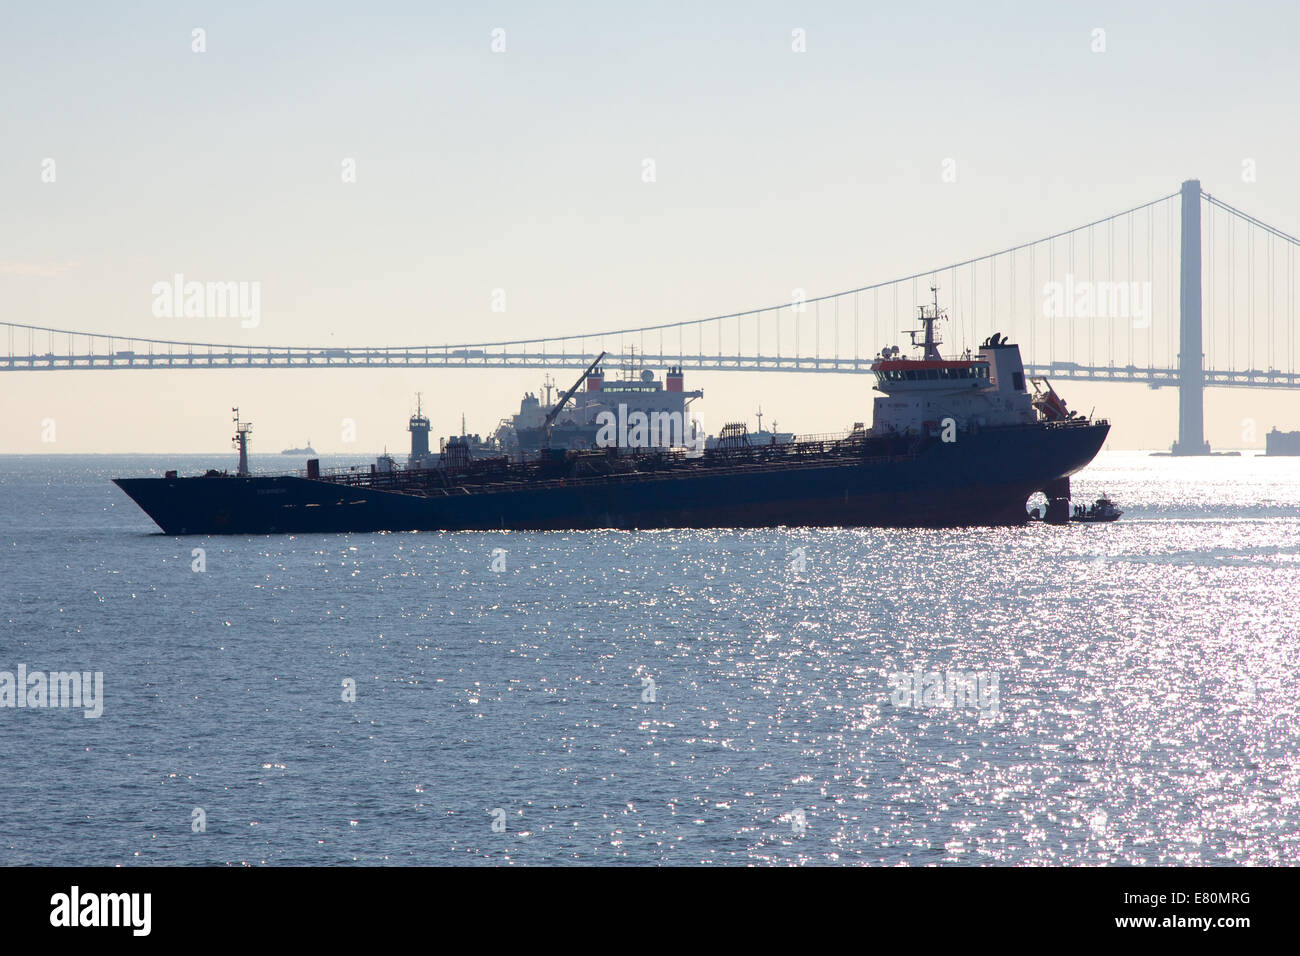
(929, 316)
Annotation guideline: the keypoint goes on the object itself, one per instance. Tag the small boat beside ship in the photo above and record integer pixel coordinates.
(1103, 509)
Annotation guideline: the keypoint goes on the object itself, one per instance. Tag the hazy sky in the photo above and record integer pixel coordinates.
(522, 170)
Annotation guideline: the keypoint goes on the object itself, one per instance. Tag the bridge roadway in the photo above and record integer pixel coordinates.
(432, 357)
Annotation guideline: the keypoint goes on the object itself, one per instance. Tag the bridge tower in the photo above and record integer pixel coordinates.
(1191, 358)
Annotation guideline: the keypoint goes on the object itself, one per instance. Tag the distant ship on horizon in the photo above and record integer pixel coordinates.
(301, 451)
(1278, 442)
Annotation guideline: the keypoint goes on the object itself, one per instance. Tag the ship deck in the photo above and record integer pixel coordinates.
(578, 469)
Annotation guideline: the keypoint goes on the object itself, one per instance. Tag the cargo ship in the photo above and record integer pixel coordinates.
(953, 442)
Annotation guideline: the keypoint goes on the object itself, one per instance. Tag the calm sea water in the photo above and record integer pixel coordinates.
(1146, 713)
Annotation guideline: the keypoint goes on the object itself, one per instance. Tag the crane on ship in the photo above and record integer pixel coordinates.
(559, 406)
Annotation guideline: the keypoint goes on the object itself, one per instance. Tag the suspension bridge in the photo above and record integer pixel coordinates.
(1183, 291)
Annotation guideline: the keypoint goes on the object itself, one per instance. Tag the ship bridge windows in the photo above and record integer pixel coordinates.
(943, 373)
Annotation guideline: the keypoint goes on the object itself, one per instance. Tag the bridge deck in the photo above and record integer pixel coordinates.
(439, 358)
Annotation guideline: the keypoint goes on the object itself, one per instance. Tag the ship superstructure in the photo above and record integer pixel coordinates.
(926, 395)
(419, 426)
(626, 403)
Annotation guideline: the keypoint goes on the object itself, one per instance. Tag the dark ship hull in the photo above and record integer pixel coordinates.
(983, 478)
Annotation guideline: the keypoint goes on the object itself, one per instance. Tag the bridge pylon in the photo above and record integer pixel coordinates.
(1191, 357)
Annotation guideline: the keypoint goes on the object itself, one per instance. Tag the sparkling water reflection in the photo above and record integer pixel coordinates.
(662, 697)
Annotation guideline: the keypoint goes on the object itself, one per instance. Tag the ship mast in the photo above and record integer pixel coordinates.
(929, 315)
(242, 431)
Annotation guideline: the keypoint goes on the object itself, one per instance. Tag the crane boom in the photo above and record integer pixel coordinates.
(554, 412)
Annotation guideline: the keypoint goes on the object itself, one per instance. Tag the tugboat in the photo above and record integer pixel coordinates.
(1103, 509)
